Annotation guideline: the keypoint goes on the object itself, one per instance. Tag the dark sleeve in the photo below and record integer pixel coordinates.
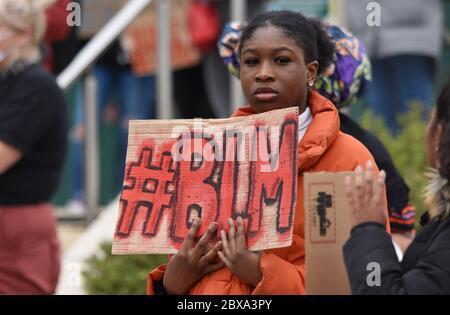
(369, 243)
(401, 212)
(26, 116)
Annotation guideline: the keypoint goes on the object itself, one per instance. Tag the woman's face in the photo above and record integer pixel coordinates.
(273, 71)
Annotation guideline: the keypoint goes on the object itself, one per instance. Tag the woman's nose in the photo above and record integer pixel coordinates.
(265, 73)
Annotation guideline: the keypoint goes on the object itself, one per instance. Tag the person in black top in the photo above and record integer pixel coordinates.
(425, 268)
(33, 134)
(33, 122)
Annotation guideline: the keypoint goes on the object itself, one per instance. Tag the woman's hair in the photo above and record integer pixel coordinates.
(437, 191)
(22, 15)
(308, 33)
(442, 117)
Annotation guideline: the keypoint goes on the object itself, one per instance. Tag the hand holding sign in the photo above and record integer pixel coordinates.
(191, 263)
(236, 256)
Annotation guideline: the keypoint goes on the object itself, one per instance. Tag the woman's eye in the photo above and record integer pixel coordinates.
(251, 61)
(282, 60)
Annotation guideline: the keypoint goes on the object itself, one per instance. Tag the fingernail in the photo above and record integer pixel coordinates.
(358, 168)
(213, 226)
(230, 221)
(369, 163)
(239, 219)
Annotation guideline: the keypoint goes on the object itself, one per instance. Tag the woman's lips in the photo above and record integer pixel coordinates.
(265, 97)
(265, 94)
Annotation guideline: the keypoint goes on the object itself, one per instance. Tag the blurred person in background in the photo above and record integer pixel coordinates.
(404, 49)
(192, 22)
(57, 31)
(33, 132)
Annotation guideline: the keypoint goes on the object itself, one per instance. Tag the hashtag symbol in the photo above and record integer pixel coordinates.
(149, 184)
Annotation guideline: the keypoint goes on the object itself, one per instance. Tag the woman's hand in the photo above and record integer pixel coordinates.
(366, 196)
(235, 255)
(191, 263)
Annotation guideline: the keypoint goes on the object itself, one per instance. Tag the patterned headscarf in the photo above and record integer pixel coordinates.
(228, 45)
(343, 82)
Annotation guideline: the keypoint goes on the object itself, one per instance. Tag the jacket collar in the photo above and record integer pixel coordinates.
(320, 134)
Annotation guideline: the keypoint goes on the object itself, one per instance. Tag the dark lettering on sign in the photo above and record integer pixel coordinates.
(151, 179)
(269, 188)
(197, 188)
(324, 201)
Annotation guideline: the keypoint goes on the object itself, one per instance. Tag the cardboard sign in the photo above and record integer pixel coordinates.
(327, 228)
(177, 170)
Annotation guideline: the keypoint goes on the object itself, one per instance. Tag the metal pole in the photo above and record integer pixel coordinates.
(238, 13)
(164, 108)
(91, 155)
(88, 55)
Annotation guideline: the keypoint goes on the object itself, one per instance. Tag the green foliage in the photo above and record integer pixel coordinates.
(407, 149)
(118, 274)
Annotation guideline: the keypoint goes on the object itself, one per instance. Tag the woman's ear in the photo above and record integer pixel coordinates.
(312, 69)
